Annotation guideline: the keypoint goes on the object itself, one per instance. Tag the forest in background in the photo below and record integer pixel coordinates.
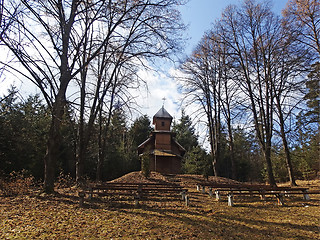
(255, 77)
(25, 125)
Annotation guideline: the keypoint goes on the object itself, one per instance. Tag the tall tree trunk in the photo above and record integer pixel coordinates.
(211, 135)
(100, 151)
(217, 124)
(231, 149)
(267, 156)
(81, 145)
(53, 144)
(285, 146)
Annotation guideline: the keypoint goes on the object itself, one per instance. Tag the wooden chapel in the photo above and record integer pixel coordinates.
(164, 151)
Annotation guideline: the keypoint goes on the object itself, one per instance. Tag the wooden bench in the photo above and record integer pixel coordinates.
(262, 190)
(137, 190)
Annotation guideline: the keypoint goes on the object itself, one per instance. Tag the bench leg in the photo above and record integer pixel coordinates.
(217, 195)
(279, 197)
(183, 195)
(137, 197)
(90, 194)
(262, 195)
(210, 192)
(81, 199)
(230, 200)
(136, 202)
(187, 200)
(81, 202)
(306, 195)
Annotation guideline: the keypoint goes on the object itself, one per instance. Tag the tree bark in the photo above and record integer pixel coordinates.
(53, 144)
(267, 155)
(285, 146)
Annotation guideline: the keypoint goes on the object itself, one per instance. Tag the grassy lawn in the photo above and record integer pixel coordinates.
(59, 216)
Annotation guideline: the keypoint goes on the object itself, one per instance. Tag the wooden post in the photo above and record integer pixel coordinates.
(210, 192)
(203, 189)
(251, 193)
(183, 194)
(139, 191)
(136, 200)
(138, 196)
(306, 195)
(230, 200)
(90, 193)
(263, 195)
(187, 200)
(279, 197)
(217, 195)
(81, 199)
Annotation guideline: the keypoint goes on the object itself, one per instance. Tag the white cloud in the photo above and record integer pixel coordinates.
(159, 86)
(166, 86)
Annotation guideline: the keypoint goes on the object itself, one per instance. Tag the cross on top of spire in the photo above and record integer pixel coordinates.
(163, 99)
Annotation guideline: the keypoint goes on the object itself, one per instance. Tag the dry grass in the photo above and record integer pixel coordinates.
(58, 216)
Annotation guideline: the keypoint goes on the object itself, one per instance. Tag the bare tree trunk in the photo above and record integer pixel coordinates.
(53, 145)
(211, 136)
(103, 134)
(267, 155)
(231, 149)
(81, 146)
(100, 156)
(217, 122)
(247, 40)
(285, 146)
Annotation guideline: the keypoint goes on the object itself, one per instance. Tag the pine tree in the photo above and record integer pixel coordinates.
(185, 132)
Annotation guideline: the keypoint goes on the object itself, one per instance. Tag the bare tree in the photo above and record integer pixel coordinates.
(291, 62)
(209, 82)
(249, 47)
(50, 43)
(229, 96)
(302, 20)
(196, 85)
(247, 30)
(299, 46)
(117, 65)
(8, 13)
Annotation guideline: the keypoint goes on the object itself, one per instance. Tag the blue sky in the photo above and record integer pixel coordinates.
(200, 14)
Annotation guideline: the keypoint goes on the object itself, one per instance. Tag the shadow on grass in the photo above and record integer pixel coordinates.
(244, 221)
(267, 227)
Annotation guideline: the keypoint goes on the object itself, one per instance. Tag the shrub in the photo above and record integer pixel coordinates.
(65, 181)
(145, 165)
(16, 183)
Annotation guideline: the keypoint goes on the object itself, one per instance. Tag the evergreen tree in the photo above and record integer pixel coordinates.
(117, 152)
(307, 151)
(185, 132)
(312, 95)
(23, 134)
(250, 163)
(196, 160)
(139, 132)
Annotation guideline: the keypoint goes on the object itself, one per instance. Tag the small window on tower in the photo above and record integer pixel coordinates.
(162, 124)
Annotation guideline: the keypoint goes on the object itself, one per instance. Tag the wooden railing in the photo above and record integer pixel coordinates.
(139, 191)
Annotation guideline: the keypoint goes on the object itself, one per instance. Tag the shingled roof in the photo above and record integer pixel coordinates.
(162, 113)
